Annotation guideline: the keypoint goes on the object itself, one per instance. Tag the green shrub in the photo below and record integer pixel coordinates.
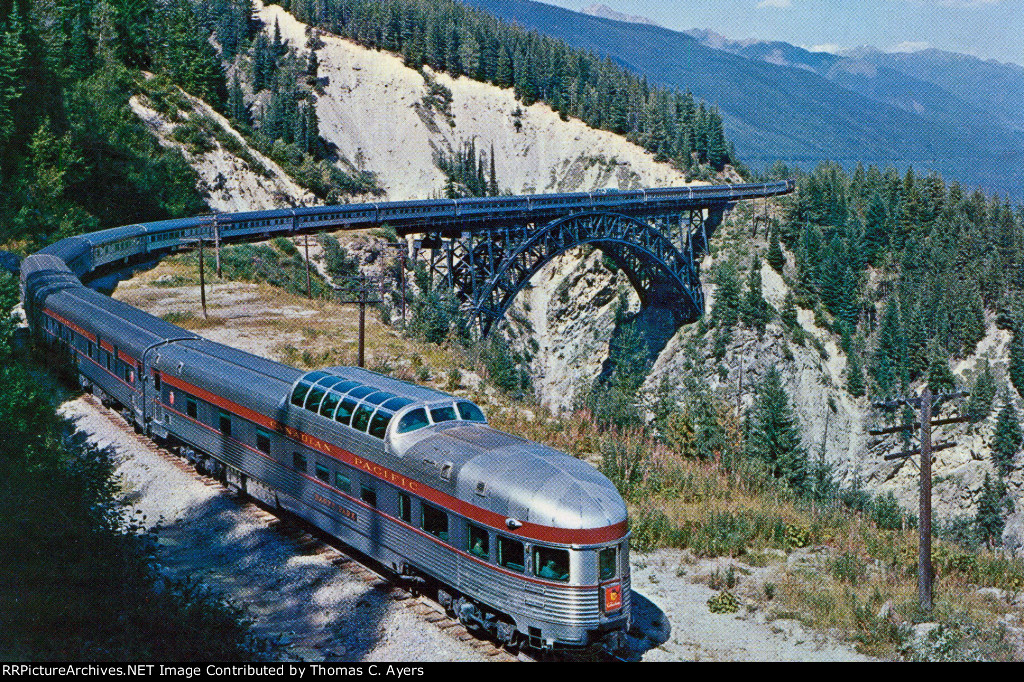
(724, 602)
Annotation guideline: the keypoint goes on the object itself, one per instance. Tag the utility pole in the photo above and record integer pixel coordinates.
(362, 321)
(362, 302)
(202, 276)
(216, 242)
(309, 281)
(926, 403)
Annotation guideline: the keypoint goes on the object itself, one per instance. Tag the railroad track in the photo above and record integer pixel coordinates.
(309, 541)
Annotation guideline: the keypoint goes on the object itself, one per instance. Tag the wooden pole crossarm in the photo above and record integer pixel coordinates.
(911, 427)
(917, 451)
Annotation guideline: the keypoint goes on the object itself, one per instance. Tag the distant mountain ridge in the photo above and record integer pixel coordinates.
(606, 12)
(932, 110)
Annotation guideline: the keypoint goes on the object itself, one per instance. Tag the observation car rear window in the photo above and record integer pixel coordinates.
(510, 554)
(412, 420)
(443, 414)
(551, 563)
(608, 566)
(471, 413)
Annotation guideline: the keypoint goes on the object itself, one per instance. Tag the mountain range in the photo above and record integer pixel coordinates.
(933, 110)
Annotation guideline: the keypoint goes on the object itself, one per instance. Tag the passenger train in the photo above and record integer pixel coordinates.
(524, 542)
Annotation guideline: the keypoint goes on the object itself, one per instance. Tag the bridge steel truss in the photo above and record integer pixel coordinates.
(486, 267)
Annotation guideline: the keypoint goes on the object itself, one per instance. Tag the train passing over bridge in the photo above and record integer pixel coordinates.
(486, 249)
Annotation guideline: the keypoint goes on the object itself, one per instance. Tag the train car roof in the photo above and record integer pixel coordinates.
(401, 389)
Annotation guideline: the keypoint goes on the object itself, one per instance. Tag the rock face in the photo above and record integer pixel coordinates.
(381, 115)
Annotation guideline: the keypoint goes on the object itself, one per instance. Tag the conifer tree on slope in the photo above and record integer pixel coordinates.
(775, 434)
(1008, 438)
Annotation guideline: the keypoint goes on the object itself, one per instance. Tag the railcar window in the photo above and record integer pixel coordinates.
(345, 410)
(378, 398)
(342, 481)
(345, 386)
(551, 563)
(607, 563)
(479, 542)
(156, 380)
(323, 473)
(191, 408)
(330, 402)
(263, 442)
(299, 462)
(435, 522)
(412, 420)
(362, 392)
(379, 424)
(443, 414)
(396, 404)
(225, 423)
(368, 495)
(299, 394)
(314, 398)
(511, 554)
(471, 413)
(362, 417)
(405, 507)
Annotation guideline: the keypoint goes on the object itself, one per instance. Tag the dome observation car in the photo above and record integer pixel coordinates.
(370, 402)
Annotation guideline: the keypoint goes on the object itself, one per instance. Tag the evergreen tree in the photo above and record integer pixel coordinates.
(754, 309)
(854, 376)
(1008, 437)
(775, 257)
(775, 434)
(982, 395)
(940, 378)
(12, 82)
(989, 520)
(725, 310)
(1017, 361)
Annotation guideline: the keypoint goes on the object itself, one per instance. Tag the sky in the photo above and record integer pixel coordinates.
(990, 29)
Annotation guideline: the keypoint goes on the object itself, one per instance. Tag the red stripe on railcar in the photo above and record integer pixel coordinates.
(530, 531)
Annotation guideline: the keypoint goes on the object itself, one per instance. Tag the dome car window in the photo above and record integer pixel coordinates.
(378, 398)
(443, 414)
(396, 404)
(412, 420)
(345, 410)
(471, 413)
(551, 563)
(314, 398)
(379, 423)
(330, 402)
(361, 392)
(361, 418)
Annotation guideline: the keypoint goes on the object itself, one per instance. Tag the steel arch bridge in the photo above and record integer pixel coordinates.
(660, 255)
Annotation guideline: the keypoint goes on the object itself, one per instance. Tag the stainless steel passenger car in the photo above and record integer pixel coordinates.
(523, 541)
